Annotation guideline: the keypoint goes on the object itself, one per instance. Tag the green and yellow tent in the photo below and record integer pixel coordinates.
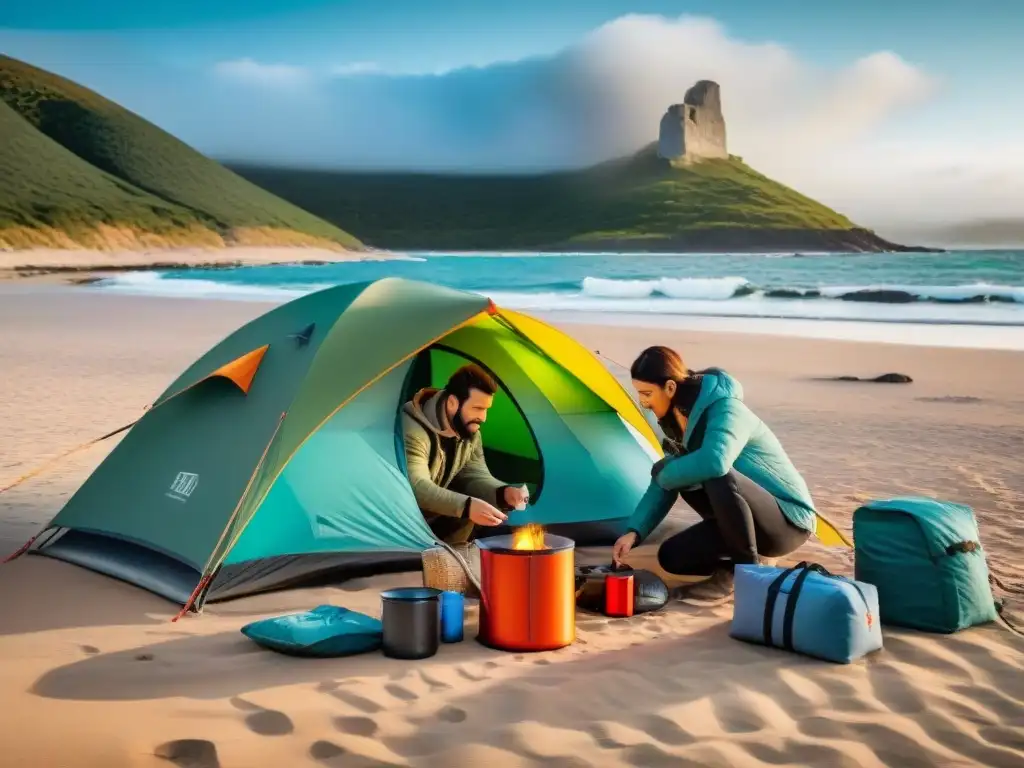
(278, 454)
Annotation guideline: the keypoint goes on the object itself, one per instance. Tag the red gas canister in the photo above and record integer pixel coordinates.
(618, 594)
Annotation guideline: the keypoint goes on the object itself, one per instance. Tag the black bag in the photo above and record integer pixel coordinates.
(649, 592)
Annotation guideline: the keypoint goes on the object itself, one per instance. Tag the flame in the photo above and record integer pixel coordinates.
(530, 536)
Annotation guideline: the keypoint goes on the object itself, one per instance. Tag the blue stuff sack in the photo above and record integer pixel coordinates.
(325, 631)
(807, 610)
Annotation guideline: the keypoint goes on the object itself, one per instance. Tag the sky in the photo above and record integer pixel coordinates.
(896, 113)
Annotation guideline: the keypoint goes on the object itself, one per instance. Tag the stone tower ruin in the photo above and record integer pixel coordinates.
(695, 129)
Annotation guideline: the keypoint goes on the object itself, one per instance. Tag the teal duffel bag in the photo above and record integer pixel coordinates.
(925, 558)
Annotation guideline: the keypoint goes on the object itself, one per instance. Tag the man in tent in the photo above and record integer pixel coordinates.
(445, 457)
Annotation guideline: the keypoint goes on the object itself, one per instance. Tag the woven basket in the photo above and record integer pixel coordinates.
(444, 572)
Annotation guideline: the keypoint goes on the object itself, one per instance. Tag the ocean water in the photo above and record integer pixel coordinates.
(967, 298)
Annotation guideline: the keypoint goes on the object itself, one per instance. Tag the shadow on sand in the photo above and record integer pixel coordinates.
(39, 594)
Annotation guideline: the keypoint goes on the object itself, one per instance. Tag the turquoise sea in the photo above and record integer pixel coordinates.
(965, 298)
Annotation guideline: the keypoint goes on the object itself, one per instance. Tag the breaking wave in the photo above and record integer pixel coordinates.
(725, 288)
(978, 303)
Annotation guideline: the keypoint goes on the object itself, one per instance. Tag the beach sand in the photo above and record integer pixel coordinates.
(82, 263)
(93, 672)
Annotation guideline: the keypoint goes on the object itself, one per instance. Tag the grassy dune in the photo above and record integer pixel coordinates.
(78, 170)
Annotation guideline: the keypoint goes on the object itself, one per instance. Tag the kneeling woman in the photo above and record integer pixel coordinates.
(727, 465)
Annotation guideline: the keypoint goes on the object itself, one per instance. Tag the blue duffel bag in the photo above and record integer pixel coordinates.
(808, 610)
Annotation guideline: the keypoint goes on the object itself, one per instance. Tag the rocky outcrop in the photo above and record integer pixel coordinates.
(694, 129)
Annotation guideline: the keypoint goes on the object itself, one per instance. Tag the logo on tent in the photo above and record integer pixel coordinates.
(183, 486)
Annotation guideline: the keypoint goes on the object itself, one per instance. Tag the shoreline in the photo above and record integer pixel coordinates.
(910, 333)
(81, 265)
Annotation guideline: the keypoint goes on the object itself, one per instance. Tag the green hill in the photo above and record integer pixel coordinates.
(639, 203)
(77, 170)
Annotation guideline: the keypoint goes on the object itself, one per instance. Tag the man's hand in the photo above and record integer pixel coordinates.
(622, 546)
(482, 513)
(517, 497)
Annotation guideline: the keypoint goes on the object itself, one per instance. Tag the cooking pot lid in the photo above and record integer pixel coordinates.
(411, 593)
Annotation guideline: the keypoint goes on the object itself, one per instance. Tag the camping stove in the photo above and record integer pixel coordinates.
(528, 598)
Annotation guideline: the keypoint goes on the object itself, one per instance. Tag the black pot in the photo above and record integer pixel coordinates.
(411, 617)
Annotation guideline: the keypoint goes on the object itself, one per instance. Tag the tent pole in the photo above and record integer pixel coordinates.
(210, 569)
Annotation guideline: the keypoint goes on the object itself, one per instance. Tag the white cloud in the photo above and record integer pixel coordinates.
(251, 71)
(776, 105)
(355, 68)
(826, 132)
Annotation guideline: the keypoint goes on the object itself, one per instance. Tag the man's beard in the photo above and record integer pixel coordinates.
(461, 427)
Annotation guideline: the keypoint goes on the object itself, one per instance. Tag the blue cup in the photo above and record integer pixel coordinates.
(452, 612)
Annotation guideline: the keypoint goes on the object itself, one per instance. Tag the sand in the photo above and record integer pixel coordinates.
(93, 672)
(85, 263)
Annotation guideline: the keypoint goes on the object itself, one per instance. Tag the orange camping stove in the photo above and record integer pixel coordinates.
(528, 595)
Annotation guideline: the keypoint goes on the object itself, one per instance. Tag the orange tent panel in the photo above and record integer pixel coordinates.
(241, 370)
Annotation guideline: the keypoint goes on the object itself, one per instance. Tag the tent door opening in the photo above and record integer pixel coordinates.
(510, 446)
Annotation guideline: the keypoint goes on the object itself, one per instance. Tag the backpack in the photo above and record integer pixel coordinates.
(925, 558)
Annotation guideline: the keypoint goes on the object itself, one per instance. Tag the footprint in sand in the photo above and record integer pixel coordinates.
(189, 753)
(356, 726)
(325, 751)
(452, 715)
(91, 650)
(435, 685)
(352, 699)
(542, 662)
(400, 693)
(463, 672)
(265, 722)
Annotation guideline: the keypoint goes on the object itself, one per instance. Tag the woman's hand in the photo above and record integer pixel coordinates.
(660, 465)
(622, 546)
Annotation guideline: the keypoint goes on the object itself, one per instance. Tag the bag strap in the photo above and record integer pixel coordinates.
(773, 595)
(794, 595)
(806, 569)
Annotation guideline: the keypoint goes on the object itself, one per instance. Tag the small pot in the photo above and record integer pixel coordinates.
(411, 620)
(590, 584)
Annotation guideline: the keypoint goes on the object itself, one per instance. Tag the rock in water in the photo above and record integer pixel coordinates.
(694, 129)
(885, 378)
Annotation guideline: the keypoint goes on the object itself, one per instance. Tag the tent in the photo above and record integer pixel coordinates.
(278, 454)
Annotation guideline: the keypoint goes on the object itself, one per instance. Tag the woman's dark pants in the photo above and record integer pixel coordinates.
(740, 520)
